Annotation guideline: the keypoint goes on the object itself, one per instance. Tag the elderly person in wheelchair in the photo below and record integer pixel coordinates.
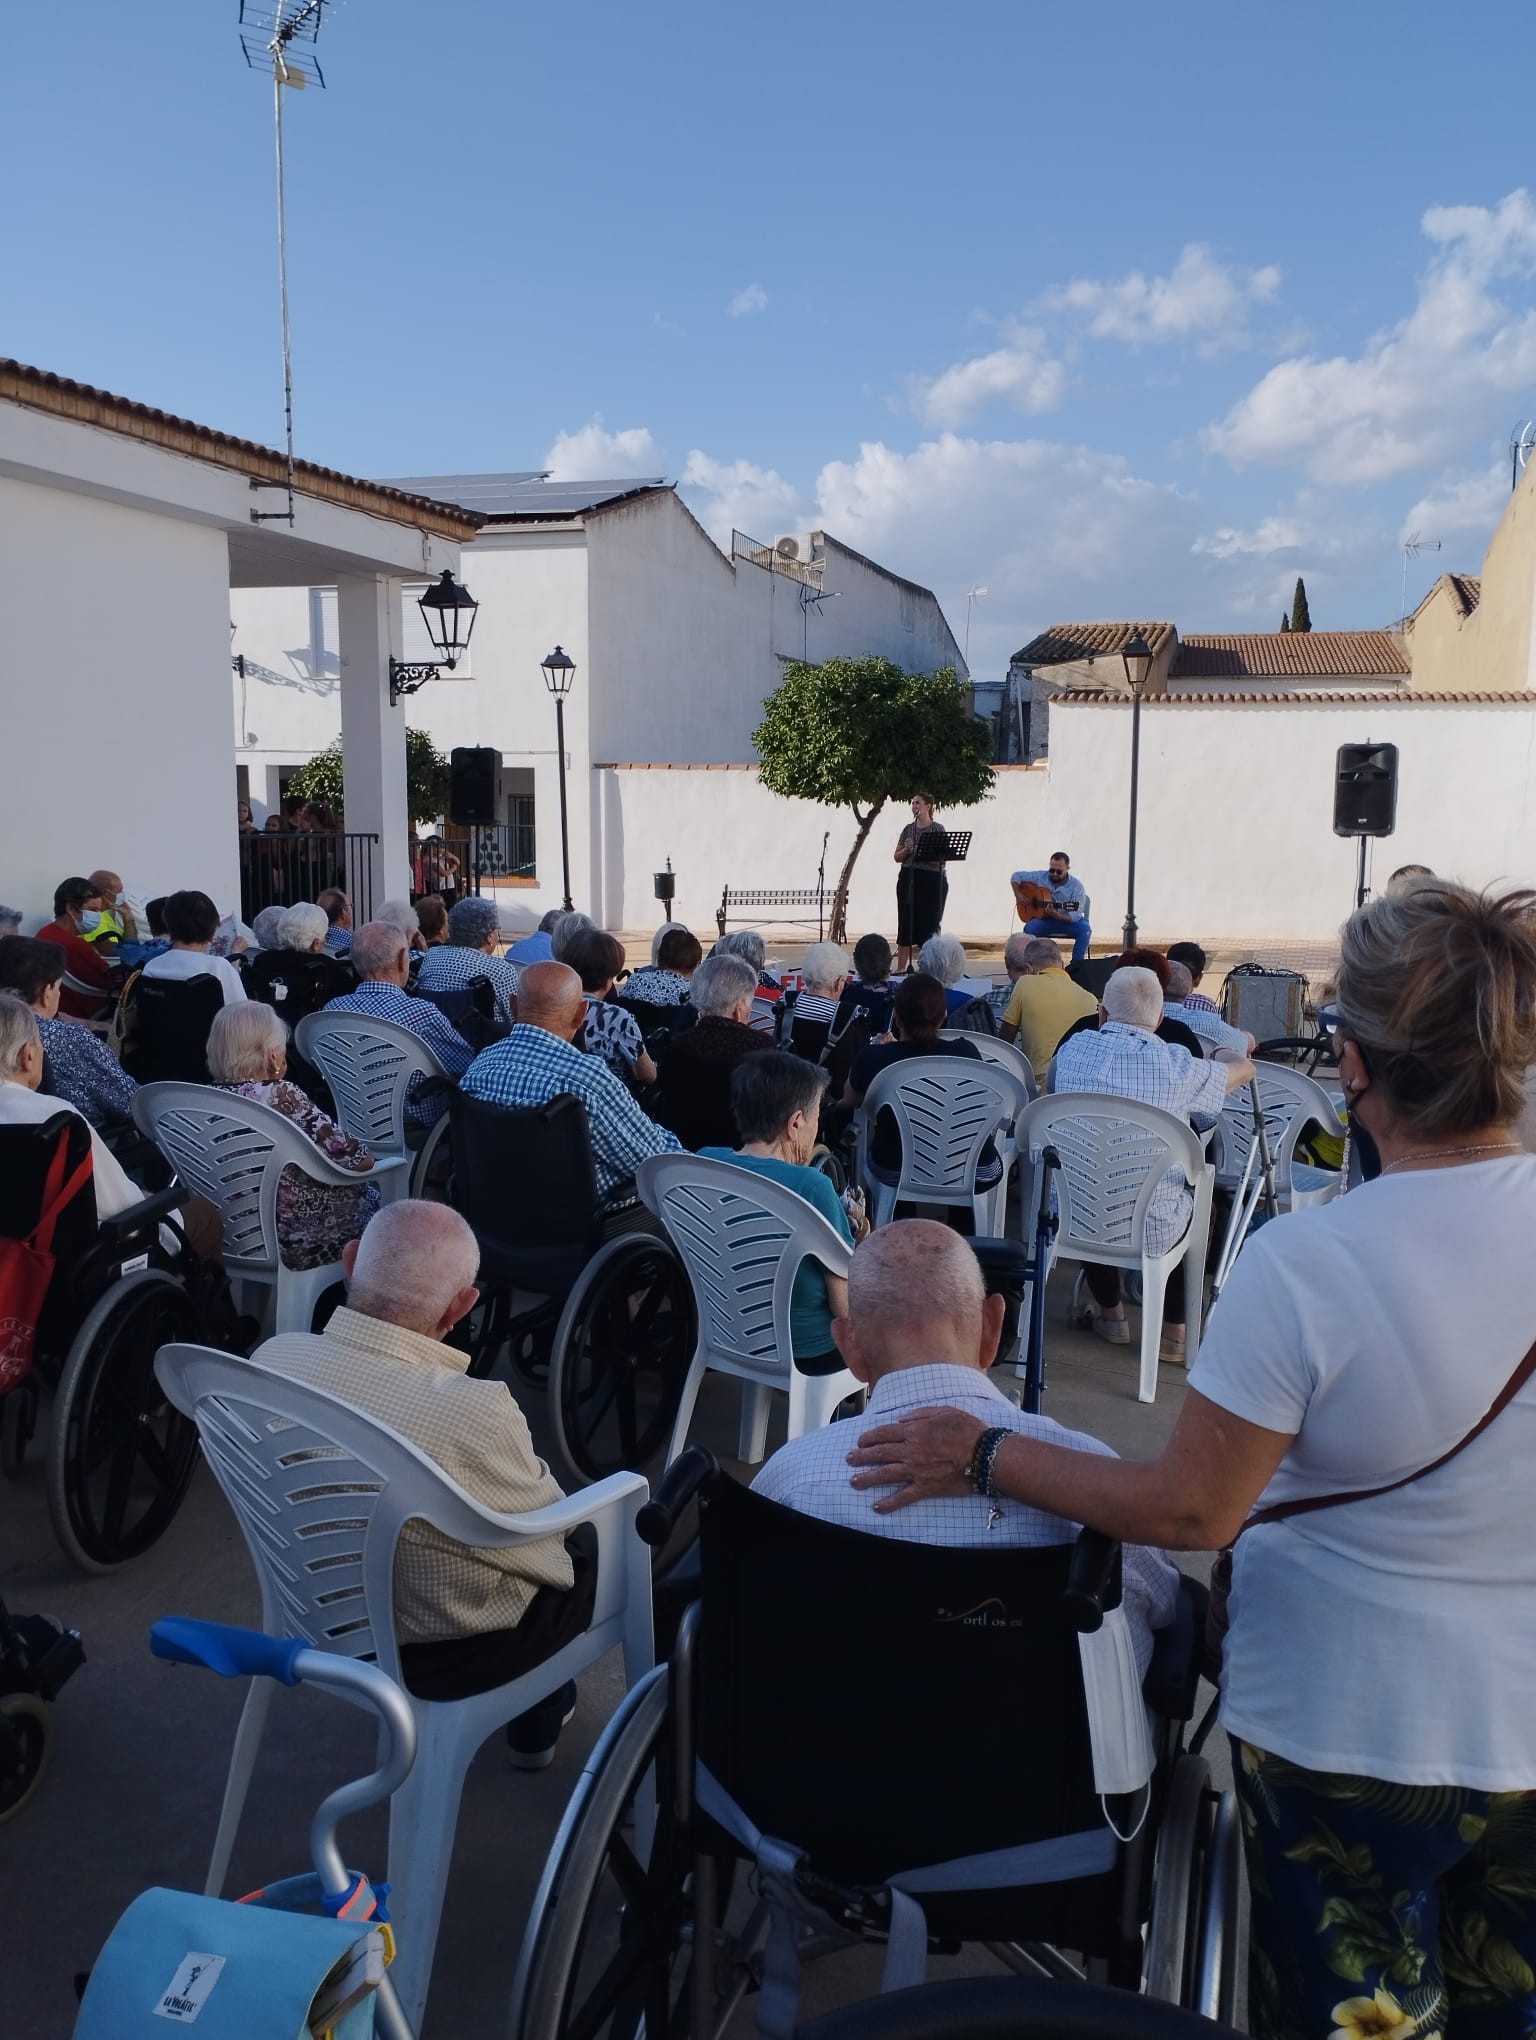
(111, 1281)
(964, 1735)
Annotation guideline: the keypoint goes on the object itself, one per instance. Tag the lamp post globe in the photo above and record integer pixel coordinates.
(559, 671)
(1136, 656)
(448, 610)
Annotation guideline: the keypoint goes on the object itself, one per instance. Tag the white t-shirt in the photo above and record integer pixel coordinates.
(115, 1191)
(1393, 1638)
(191, 963)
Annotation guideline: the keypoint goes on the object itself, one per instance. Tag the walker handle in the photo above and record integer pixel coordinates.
(230, 1652)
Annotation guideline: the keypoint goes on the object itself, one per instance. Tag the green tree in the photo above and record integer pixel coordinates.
(1285, 622)
(426, 778)
(856, 733)
(1301, 615)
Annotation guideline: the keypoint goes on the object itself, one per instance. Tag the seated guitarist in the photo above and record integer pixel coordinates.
(1053, 903)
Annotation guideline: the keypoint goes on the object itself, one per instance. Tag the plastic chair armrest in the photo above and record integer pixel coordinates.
(587, 1505)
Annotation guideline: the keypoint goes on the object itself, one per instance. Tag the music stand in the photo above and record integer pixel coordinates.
(951, 847)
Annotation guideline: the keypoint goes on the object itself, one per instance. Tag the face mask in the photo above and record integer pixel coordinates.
(90, 921)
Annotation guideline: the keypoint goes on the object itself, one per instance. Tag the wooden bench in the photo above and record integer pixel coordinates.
(738, 903)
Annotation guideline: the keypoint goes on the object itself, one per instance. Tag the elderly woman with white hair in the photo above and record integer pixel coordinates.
(248, 1054)
(295, 973)
(943, 957)
(749, 946)
(825, 969)
(402, 915)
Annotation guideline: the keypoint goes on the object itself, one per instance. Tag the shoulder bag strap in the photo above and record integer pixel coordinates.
(58, 1191)
(1304, 1505)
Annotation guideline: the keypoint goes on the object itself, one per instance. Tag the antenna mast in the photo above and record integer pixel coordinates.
(268, 35)
(1413, 545)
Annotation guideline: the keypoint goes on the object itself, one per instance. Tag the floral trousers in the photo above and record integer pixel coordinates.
(1386, 1912)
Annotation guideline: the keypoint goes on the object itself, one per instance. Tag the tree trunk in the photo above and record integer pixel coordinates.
(837, 929)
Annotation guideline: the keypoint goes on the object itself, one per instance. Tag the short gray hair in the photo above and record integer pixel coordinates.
(824, 963)
(412, 1260)
(720, 984)
(471, 921)
(1016, 952)
(18, 1030)
(376, 946)
(241, 1039)
(302, 926)
(1041, 953)
(565, 930)
(908, 1274)
(1180, 981)
(944, 958)
(767, 1090)
(400, 914)
(1133, 995)
(266, 925)
(745, 943)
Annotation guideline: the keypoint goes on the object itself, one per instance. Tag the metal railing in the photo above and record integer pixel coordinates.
(503, 849)
(280, 869)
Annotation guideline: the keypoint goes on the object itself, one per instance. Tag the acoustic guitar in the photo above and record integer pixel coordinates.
(1032, 900)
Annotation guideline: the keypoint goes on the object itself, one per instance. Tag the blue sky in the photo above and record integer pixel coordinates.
(1114, 310)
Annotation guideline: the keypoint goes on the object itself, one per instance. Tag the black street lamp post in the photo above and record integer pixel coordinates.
(448, 610)
(559, 671)
(1136, 656)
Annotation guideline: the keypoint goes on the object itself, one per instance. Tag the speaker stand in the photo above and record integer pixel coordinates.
(1360, 886)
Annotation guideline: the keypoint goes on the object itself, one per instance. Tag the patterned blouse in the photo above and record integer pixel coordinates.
(84, 1072)
(315, 1220)
(613, 1034)
(654, 986)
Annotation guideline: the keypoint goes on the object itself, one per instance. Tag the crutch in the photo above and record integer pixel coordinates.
(1255, 1185)
(1046, 1225)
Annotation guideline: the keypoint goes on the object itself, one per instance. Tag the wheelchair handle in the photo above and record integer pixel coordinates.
(1093, 1581)
(675, 1490)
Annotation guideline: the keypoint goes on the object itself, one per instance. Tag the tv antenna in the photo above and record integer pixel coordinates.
(811, 598)
(1522, 444)
(973, 594)
(1413, 545)
(283, 39)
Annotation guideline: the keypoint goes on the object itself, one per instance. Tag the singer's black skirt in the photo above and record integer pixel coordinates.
(920, 897)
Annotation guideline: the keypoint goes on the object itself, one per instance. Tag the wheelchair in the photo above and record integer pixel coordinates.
(119, 1455)
(607, 1326)
(37, 1657)
(805, 1774)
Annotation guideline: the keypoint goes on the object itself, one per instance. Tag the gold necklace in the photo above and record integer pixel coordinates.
(1487, 1147)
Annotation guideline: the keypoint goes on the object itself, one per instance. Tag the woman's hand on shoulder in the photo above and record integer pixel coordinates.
(926, 1455)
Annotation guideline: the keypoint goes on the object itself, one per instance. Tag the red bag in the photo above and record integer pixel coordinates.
(26, 1268)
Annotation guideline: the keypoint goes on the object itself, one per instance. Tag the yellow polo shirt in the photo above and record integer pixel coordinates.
(1042, 1008)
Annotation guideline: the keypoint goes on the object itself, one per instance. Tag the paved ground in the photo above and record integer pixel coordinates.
(139, 1764)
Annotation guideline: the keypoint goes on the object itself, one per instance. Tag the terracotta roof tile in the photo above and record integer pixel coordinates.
(1079, 697)
(57, 394)
(1062, 643)
(1290, 655)
(1468, 590)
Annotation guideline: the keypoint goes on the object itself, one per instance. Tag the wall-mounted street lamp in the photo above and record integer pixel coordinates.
(448, 610)
(559, 671)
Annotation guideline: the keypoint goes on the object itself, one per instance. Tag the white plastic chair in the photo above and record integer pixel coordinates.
(370, 1066)
(321, 1492)
(232, 1151)
(1290, 1102)
(1004, 1053)
(742, 1240)
(947, 1107)
(1114, 1153)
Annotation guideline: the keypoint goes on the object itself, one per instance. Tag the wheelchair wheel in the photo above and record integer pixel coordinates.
(1193, 1931)
(26, 1737)
(432, 1169)
(18, 1420)
(120, 1455)
(599, 1957)
(620, 1356)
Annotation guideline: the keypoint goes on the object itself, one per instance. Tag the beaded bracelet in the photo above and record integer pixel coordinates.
(983, 1469)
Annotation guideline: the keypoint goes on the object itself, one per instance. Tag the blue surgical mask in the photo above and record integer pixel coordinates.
(90, 921)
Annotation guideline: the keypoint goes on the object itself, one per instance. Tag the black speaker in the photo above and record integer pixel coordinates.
(1364, 790)
(472, 797)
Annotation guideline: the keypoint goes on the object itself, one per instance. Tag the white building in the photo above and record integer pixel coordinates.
(123, 532)
(676, 646)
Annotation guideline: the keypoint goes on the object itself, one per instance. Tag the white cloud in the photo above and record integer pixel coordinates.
(1461, 512)
(1022, 374)
(595, 454)
(737, 495)
(1201, 300)
(1274, 535)
(748, 301)
(1420, 390)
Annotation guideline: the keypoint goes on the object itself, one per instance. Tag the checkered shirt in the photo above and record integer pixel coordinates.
(375, 1000)
(1207, 1024)
(1199, 1003)
(450, 967)
(1129, 1062)
(338, 940)
(811, 1474)
(532, 1066)
(475, 1432)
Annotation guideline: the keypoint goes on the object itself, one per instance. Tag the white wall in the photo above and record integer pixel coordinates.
(114, 646)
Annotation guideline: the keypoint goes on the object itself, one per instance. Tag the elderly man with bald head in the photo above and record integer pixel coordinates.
(468, 1617)
(539, 1061)
(922, 1332)
(380, 955)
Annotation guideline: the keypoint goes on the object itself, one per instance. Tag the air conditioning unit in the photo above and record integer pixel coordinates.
(787, 548)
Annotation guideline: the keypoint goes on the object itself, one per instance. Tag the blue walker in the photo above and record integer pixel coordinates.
(303, 1959)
